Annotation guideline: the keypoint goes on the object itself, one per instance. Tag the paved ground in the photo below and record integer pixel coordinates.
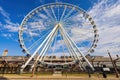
(59, 79)
(21, 77)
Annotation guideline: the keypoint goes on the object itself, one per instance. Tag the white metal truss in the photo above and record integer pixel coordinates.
(71, 48)
(79, 54)
(32, 56)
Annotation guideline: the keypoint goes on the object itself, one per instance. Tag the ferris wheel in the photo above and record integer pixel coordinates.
(58, 29)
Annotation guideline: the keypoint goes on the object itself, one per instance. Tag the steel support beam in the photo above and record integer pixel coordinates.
(32, 56)
(71, 48)
(80, 53)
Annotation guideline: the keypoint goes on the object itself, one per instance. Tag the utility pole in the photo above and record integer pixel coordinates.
(116, 72)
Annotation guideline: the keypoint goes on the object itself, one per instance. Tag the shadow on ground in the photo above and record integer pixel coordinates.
(3, 78)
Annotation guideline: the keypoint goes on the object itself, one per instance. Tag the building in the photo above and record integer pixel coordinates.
(12, 64)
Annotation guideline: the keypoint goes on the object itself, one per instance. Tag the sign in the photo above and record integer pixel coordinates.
(106, 69)
(5, 52)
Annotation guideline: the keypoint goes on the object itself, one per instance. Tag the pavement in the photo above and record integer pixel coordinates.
(21, 77)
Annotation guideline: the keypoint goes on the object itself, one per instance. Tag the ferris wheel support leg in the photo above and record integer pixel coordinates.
(67, 43)
(72, 54)
(71, 47)
(79, 50)
(70, 50)
(80, 53)
(45, 48)
(23, 66)
(40, 56)
(68, 14)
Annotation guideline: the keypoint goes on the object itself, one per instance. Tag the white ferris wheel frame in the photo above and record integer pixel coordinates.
(72, 47)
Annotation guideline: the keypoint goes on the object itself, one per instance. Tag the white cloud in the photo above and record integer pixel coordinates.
(59, 54)
(8, 25)
(106, 14)
(32, 33)
(41, 1)
(0, 24)
(7, 35)
(79, 34)
(5, 14)
(11, 27)
(43, 16)
(37, 25)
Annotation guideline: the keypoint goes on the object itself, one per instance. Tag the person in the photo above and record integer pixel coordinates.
(88, 70)
(104, 72)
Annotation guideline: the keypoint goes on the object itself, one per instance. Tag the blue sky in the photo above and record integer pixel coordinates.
(106, 14)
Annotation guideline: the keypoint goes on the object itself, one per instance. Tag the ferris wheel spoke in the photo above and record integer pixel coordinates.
(58, 13)
(63, 13)
(42, 16)
(90, 42)
(71, 16)
(37, 41)
(31, 34)
(42, 21)
(26, 39)
(54, 13)
(69, 13)
(33, 18)
(45, 19)
(81, 32)
(81, 44)
(85, 35)
(81, 29)
(86, 38)
(48, 13)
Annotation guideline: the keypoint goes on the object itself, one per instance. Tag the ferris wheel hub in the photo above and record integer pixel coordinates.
(59, 24)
